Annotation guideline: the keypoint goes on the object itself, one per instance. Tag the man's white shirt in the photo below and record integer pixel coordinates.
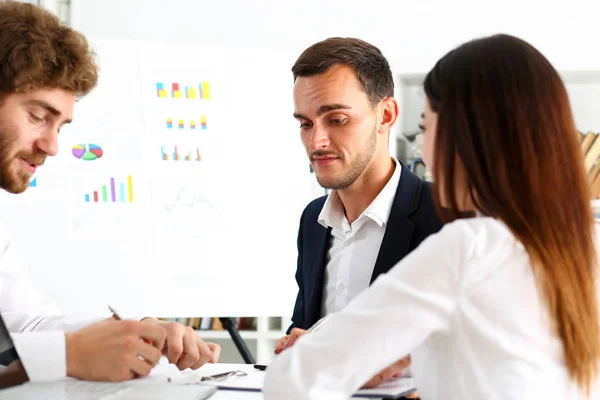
(354, 247)
(35, 322)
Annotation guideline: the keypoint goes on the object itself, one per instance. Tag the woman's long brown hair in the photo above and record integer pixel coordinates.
(505, 127)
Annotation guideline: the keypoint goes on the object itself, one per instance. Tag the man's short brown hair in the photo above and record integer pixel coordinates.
(367, 61)
(38, 51)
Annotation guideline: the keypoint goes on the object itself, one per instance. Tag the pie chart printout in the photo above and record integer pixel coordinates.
(87, 152)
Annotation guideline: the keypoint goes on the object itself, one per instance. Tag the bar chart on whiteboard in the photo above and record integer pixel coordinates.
(109, 202)
(116, 191)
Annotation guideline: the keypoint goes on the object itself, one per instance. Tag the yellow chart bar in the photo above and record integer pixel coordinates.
(205, 91)
(130, 188)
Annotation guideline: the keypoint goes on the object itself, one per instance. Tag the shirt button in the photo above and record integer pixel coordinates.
(341, 288)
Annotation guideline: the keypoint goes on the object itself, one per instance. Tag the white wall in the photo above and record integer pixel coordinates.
(413, 34)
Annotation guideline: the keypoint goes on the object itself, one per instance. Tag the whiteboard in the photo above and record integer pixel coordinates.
(177, 190)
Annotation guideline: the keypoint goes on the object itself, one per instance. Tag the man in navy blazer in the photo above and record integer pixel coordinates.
(378, 210)
(411, 220)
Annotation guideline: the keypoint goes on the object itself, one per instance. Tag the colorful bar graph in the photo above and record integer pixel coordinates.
(113, 192)
(113, 195)
(193, 123)
(130, 188)
(189, 92)
(178, 156)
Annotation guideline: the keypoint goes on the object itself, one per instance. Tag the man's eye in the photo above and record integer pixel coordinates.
(338, 121)
(35, 118)
(304, 125)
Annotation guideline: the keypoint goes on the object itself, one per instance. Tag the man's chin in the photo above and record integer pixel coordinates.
(15, 187)
(324, 183)
(16, 190)
(336, 182)
(333, 184)
(14, 180)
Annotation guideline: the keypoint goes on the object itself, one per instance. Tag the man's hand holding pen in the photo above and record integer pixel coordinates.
(180, 344)
(183, 347)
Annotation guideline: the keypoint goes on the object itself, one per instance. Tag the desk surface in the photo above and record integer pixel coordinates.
(57, 390)
(171, 371)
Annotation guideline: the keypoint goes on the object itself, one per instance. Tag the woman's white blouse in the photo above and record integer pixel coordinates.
(464, 304)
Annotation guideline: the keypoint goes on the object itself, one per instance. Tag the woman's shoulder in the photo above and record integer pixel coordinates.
(478, 236)
(478, 228)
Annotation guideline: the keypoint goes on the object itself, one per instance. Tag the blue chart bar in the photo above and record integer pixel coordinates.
(122, 187)
(87, 198)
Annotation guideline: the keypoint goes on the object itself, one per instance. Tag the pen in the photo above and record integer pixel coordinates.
(115, 314)
(260, 367)
(118, 318)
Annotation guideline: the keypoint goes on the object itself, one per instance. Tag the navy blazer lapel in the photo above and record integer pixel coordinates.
(317, 272)
(398, 232)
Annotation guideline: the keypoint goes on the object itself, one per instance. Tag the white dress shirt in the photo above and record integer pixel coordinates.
(354, 247)
(464, 304)
(36, 324)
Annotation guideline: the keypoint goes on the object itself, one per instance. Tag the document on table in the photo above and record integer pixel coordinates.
(254, 381)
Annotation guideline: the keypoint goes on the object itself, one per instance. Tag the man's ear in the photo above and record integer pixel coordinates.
(388, 114)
